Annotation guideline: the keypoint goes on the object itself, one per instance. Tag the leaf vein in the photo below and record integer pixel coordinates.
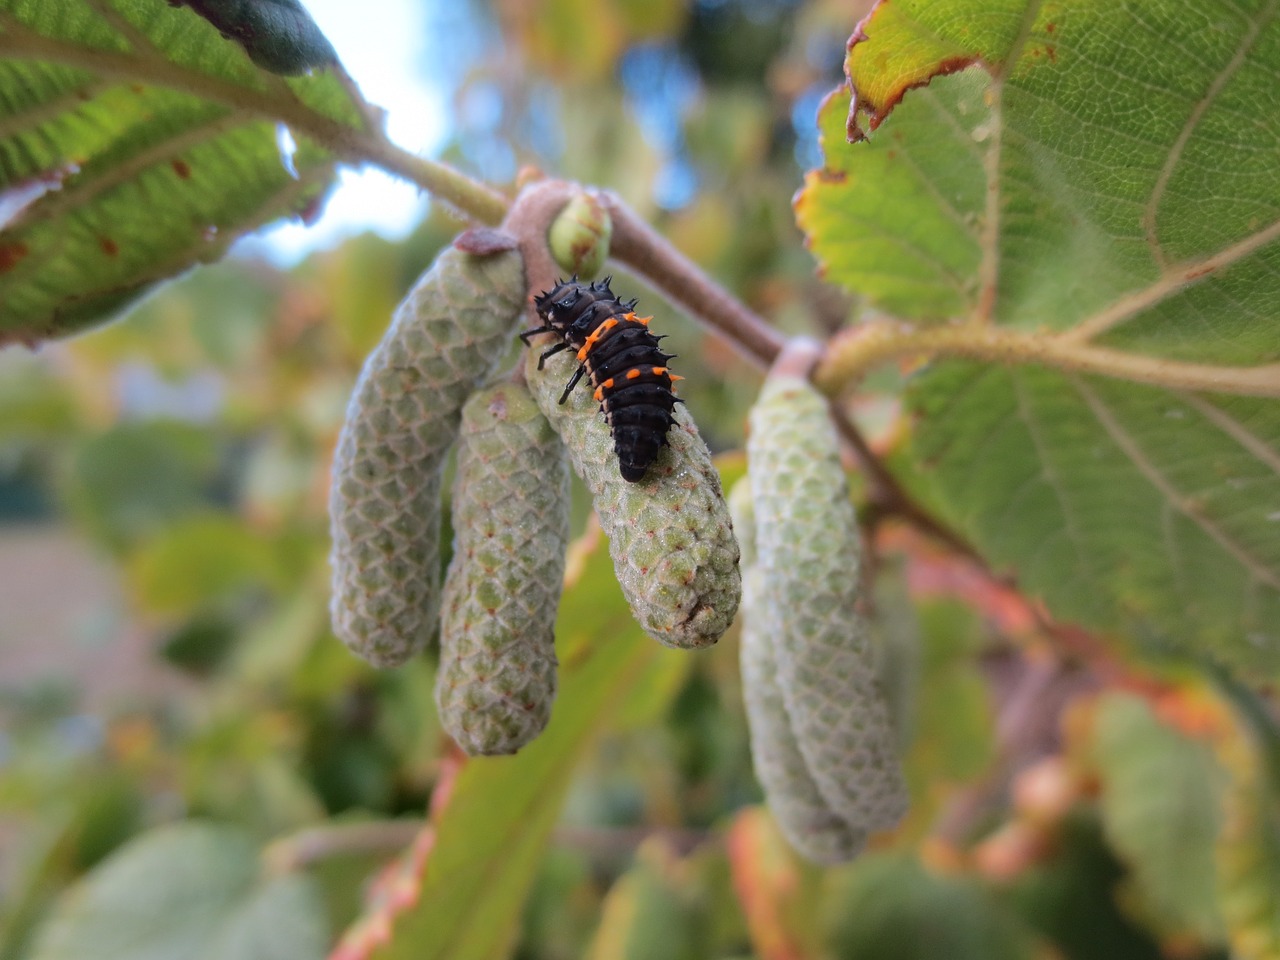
(1150, 225)
(1171, 283)
(1235, 430)
(1121, 438)
(78, 193)
(1071, 523)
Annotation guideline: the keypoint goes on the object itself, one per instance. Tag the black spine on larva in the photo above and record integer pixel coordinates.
(621, 360)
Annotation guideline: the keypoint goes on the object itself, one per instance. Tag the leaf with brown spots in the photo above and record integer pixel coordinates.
(137, 142)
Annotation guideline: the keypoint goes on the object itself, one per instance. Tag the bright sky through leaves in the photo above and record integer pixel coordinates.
(383, 46)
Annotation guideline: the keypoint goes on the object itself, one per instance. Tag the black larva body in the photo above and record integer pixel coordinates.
(622, 361)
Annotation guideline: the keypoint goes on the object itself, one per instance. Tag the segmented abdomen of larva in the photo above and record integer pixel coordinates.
(633, 386)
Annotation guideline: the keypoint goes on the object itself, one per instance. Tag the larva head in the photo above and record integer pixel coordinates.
(566, 308)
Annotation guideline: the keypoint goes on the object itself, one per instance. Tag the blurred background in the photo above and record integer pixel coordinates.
(164, 642)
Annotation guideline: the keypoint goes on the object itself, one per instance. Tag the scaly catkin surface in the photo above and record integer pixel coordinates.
(497, 677)
(384, 503)
(808, 545)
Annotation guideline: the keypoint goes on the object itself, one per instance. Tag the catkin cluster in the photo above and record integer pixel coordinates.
(822, 743)
(422, 390)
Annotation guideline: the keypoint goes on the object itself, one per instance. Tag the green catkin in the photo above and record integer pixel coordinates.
(803, 816)
(497, 677)
(384, 502)
(669, 535)
(808, 543)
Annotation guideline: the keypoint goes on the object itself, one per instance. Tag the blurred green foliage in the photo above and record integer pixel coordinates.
(186, 447)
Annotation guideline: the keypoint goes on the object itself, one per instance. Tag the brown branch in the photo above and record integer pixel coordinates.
(652, 256)
(1016, 729)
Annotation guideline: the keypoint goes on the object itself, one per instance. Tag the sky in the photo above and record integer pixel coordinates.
(382, 45)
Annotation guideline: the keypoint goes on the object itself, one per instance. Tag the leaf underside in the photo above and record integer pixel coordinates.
(189, 891)
(1108, 173)
(135, 141)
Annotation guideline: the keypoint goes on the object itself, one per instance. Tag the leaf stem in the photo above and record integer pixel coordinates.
(852, 354)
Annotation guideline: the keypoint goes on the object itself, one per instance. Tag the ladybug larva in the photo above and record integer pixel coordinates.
(622, 361)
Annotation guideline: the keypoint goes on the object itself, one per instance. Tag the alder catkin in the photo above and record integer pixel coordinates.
(807, 540)
(670, 535)
(497, 677)
(803, 816)
(384, 502)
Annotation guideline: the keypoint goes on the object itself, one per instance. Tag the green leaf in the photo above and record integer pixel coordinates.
(1161, 811)
(649, 913)
(896, 219)
(136, 143)
(1122, 506)
(1070, 898)
(1249, 848)
(188, 892)
(490, 837)
(200, 561)
(890, 908)
(1249, 861)
(1103, 177)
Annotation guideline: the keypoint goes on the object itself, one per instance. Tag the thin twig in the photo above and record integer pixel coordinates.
(313, 845)
(653, 257)
(1015, 730)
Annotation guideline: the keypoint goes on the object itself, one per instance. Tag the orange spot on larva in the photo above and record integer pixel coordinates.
(608, 384)
(599, 394)
(659, 371)
(633, 373)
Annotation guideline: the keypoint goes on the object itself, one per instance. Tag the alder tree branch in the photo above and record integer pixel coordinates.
(651, 256)
(848, 356)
